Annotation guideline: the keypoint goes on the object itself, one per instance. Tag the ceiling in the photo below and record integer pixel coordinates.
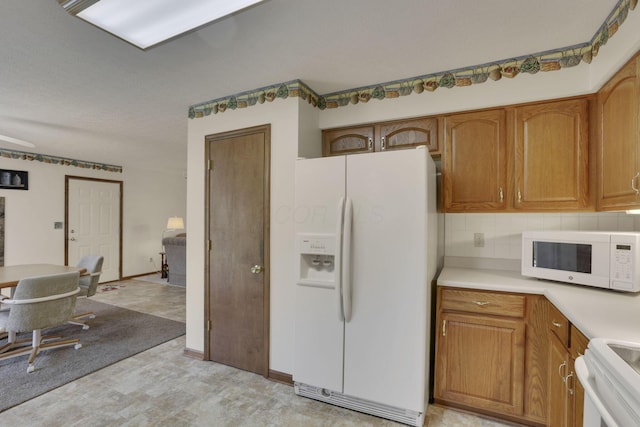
(77, 91)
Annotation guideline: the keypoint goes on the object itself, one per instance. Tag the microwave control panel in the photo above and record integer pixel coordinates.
(622, 262)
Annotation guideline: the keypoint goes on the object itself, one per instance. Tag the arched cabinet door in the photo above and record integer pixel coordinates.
(409, 134)
(618, 139)
(474, 172)
(552, 156)
(351, 140)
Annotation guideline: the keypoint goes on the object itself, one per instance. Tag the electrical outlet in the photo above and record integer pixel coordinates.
(478, 240)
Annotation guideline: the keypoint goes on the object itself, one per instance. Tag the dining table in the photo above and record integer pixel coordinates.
(11, 275)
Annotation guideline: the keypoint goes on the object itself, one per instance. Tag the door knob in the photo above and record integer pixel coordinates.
(257, 269)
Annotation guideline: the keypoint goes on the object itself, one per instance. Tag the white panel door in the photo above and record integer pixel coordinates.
(94, 224)
(319, 332)
(385, 340)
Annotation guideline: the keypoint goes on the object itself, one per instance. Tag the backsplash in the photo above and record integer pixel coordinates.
(501, 233)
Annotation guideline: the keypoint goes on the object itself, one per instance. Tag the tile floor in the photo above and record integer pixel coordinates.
(162, 387)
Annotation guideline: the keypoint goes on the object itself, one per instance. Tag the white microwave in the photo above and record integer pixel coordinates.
(593, 258)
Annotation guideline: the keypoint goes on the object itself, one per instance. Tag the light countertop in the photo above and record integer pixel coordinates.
(597, 313)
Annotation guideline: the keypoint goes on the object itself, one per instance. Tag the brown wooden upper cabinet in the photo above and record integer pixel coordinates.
(532, 157)
(401, 134)
(618, 133)
(474, 171)
(552, 156)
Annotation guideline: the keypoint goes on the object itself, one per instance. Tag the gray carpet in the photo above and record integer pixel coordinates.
(115, 334)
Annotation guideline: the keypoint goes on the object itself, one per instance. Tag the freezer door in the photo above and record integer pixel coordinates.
(386, 337)
(319, 331)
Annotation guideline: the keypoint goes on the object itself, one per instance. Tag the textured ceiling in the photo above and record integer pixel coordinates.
(76, 91)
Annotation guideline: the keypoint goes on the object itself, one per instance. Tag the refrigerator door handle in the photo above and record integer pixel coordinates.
(346, 260)
(338, 257)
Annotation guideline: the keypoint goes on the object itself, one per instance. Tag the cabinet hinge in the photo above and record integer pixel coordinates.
(444, 328)
(210, 164)
(208, 325)
(209, 244)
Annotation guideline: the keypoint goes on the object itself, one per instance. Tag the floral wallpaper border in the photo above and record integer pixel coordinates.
(294, 88)
(509, 68)
(54, 160)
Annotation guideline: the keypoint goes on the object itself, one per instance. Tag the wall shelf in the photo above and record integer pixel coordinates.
(14, 180)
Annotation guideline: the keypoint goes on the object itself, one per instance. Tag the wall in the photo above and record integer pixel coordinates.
(578, 80)
(149, 198)
(502, 231)
(291, 120)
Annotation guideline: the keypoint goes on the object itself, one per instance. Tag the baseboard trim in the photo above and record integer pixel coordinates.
(194, 354)
(280, 377)
(138, 275)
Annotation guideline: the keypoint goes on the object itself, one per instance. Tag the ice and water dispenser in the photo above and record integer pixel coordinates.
(316, 253)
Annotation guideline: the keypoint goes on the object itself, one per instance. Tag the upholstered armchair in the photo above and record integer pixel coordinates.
(176, 252)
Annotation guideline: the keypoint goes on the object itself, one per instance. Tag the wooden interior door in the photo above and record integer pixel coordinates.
(238, 259)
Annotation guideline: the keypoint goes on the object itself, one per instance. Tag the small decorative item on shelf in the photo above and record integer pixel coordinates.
(14, 180)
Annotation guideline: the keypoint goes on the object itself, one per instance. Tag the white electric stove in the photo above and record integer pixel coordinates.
(610, 374)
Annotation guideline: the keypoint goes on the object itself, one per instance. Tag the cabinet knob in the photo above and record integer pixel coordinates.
(633, 183)
(370, 144)
(501, 195)
(555, 323)
(383, 143)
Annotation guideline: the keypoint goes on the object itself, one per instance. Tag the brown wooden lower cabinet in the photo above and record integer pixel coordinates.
(491, 354)
(566, 394)
(508, 356)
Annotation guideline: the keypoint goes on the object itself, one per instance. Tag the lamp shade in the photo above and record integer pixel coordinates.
(175, 223)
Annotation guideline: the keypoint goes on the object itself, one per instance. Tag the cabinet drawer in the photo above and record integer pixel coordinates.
(578, 342)
(558, 324)
(500, 304)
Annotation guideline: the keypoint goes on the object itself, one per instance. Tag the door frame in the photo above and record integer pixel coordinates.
(208, 140)
(67, 178)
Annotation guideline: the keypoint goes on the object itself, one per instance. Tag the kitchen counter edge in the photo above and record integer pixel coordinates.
(597, 313)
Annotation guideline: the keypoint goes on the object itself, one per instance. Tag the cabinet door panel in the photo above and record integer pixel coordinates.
(536, 357)
(348, 140)
(558, 398)
(474, 173)
(618, 145)
(480, 362)
(410, 134)
(551, 156)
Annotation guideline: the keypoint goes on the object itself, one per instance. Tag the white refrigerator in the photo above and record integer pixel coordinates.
(366, 233)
